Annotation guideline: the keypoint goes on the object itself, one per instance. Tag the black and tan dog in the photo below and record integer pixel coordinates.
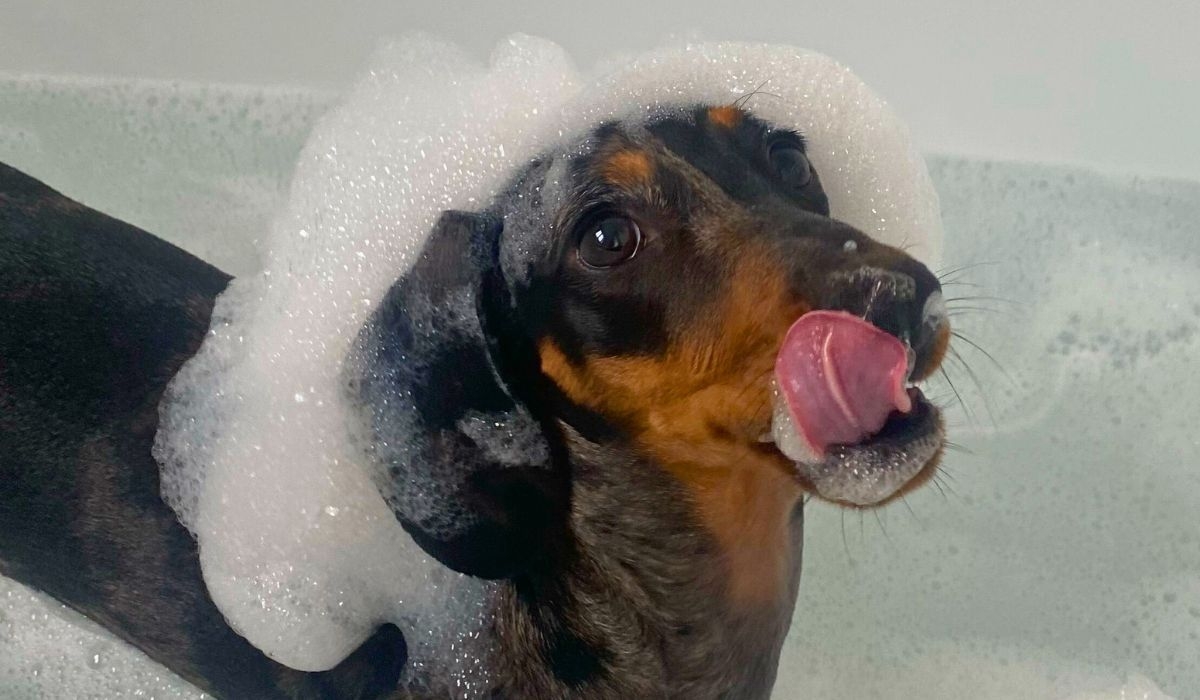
(618, 315)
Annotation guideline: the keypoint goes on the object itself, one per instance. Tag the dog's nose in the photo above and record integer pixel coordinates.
(932, 336)
(904, 299)
(886, 298)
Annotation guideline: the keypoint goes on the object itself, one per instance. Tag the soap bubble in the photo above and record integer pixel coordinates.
(1048, 575)
(254, 441)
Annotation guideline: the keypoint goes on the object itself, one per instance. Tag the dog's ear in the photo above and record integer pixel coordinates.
(461, 459)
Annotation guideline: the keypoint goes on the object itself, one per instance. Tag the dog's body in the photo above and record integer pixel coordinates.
(95, 318)
(649, 546)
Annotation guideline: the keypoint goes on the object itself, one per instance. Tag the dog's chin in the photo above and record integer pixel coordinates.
(900, 456)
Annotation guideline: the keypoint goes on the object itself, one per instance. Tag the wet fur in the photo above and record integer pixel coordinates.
(654, 548)
(96, 316)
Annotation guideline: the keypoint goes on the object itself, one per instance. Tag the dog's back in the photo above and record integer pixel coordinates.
(96, 316)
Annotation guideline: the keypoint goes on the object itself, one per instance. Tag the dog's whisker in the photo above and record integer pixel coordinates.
(987, 405)
(937, 483)
(944, 485)
(741, 102)
(986, 354)
(911, 511)
(845, 545)
(950, 300)
(941, 273)
(957, 395)
(958, 310)
(956, 306)
(882, 527)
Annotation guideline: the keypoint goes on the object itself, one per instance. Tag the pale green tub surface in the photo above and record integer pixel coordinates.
(1061, 557)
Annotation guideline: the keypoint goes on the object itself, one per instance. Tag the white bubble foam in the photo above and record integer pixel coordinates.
(1063, 560)
(50, 651)
(255, 473)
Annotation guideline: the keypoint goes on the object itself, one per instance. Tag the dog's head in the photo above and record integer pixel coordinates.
(645, 290)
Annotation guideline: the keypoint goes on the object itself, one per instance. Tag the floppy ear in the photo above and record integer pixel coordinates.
(464, 464)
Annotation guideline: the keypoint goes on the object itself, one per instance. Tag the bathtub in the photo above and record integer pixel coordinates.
(1058, 555)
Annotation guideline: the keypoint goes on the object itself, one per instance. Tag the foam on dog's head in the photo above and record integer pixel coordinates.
(299, 550)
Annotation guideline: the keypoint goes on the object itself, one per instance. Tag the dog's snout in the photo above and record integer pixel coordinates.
(886, 298)
(932, 336)
(901, 297)
(933, 318)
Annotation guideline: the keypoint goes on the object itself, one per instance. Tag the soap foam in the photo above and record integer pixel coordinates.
(49, 651)
(1065, 558)
(298, 549)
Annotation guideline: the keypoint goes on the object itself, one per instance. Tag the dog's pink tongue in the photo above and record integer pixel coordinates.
(841, 377)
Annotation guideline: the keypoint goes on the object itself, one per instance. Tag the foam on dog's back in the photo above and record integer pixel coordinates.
(299, 550)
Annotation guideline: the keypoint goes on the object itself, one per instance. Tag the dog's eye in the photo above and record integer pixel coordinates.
(790, 163)
(609, 241)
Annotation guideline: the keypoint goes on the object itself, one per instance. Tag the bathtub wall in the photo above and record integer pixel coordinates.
(1098, 82)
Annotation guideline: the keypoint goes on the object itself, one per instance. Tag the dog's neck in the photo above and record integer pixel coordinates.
(647, 601)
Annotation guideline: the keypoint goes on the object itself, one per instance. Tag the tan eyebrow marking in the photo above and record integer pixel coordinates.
(727, 116)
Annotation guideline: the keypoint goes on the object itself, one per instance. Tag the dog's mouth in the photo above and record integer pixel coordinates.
(846, 414)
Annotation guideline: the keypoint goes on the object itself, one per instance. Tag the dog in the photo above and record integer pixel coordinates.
(618, 310)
